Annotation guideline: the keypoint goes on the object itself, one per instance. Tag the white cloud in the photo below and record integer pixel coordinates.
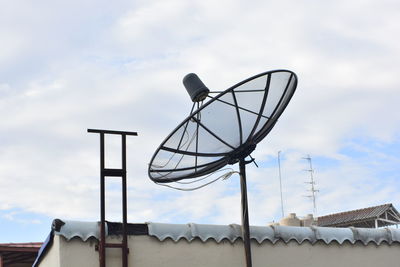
(73, 66)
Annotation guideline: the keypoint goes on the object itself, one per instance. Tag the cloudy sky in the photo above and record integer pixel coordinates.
(66, 66)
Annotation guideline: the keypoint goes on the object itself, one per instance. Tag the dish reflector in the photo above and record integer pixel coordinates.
(225, 129)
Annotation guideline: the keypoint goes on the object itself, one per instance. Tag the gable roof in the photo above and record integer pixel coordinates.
(382, 215)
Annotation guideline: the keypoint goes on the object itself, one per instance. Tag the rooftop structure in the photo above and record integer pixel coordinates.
(293, 220)
(18, 254)
(372, 217)
(73, 243)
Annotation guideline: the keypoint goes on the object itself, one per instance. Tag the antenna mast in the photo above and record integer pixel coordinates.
(312, 183)
(280, 181)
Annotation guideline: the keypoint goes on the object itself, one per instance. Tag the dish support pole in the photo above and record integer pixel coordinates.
(245, 213)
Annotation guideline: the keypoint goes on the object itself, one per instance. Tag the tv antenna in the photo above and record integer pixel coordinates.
(280, 181)
(224, 130)
(312, 183)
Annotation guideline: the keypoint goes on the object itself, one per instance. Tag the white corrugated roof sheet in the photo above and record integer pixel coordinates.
(232, 232)
(273, 233)
(83, 230)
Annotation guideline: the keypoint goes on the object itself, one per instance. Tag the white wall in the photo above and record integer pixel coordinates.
(52, 257)
(146, 251)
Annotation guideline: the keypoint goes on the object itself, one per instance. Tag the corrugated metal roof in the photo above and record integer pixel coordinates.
(355, 216)
(232, 232)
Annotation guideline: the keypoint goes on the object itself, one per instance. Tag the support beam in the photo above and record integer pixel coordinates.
(102, 250)
(125, 249)
(388, 221)
(394, 214)
(245, 213)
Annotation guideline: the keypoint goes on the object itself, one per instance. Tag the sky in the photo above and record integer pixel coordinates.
(66, 66)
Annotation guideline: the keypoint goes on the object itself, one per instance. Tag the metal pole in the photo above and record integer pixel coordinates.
(312, 186)
(124, 205)
(105, 172)
(102, 205)
(245, 213)
(280, 181)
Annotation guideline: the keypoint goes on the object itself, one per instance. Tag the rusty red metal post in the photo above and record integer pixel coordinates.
(105, 172)
(124, 205)
(102, 247)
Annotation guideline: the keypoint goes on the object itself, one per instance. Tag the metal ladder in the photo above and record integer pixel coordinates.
(106, 172)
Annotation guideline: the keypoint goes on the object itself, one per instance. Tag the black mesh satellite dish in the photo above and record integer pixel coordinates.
(224, 130)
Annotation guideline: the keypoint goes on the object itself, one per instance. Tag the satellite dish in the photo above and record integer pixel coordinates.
(224, 130)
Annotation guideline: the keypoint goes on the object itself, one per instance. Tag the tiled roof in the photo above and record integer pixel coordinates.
(14, 253)
(365, 216)
(34, 245)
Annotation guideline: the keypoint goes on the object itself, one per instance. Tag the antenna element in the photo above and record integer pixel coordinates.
(312, 183)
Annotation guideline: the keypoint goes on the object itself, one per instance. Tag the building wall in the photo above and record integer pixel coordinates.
(52, 257)
(146, 251)
(76, 253)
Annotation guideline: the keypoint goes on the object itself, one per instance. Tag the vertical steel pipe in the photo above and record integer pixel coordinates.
(102, 246)
(124, 205)
(104, 172)
(280, 182)
(245, 213)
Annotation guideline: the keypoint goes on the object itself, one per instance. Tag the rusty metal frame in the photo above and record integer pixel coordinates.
(106, 172)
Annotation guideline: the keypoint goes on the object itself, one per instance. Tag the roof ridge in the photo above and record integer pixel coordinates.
(351, 211)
